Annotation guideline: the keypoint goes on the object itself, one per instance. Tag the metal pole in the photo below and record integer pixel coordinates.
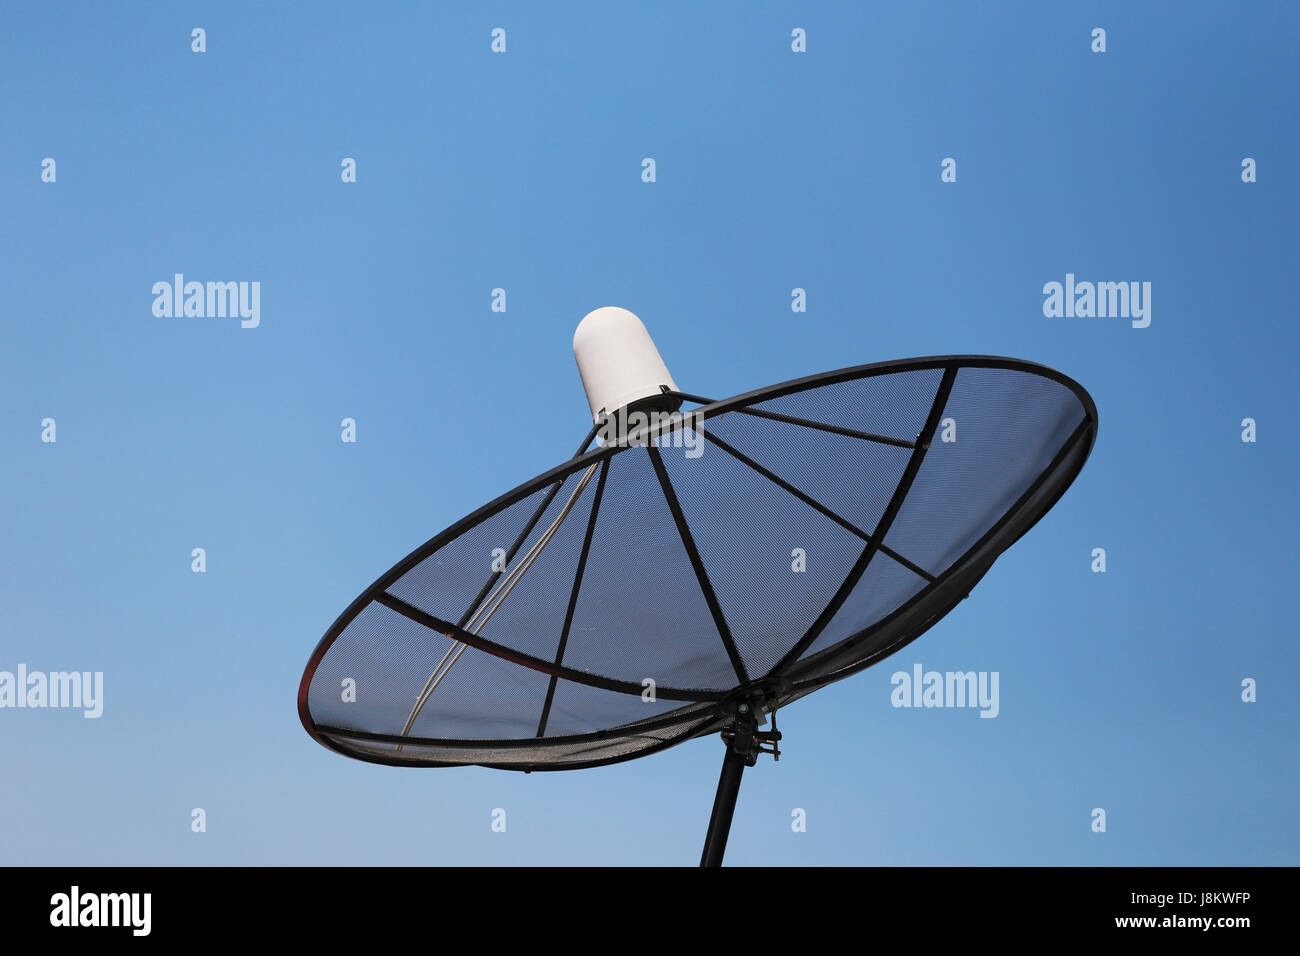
(724, 804)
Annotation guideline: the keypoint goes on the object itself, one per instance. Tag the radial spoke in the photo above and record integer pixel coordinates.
(826, 427)
(719, 621)
(814, 503)
(473, 622)
(547, 666)
(804, 422)
(573, 597)
(882, 526)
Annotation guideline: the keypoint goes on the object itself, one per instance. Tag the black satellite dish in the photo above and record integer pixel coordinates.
(700, 568)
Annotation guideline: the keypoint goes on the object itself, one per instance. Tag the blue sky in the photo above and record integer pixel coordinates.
(522, 171)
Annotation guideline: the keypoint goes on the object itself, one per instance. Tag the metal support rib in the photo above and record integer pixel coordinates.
(882, 526)
(587, 441)
(523, 535)
(573, 597)
(804, 422)
(814, 503)
(719, 621)
(486, 610)
(431, 684)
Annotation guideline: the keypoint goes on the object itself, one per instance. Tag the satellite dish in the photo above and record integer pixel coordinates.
(706, 564)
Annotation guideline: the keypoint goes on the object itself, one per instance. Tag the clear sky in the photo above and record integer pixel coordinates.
(775, 170)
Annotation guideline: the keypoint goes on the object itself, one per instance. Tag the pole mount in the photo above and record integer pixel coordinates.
(747, 707)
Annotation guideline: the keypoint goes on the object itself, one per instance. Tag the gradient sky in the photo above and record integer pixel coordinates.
(775, 170)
